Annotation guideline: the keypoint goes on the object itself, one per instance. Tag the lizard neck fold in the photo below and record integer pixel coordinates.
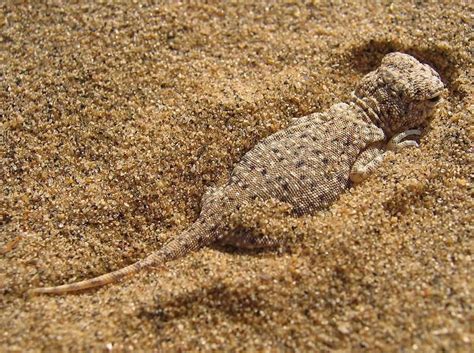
(371, 111)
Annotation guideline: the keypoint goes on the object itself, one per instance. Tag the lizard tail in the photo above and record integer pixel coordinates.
(100, 280)
(192, 239)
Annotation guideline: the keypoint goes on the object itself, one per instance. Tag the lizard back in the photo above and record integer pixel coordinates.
(307, 164)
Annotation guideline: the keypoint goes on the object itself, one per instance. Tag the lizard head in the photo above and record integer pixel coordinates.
(402, 92)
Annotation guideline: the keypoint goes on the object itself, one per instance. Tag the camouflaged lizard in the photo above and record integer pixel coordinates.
(311, 162)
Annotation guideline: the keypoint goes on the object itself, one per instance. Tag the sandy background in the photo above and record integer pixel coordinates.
(116, 117)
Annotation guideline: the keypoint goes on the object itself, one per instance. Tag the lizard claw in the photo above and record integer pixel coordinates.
(396, 143)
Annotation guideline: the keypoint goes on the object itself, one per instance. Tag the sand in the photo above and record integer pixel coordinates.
(116, 117)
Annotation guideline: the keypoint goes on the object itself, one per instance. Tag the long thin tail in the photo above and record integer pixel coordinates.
(192, 239)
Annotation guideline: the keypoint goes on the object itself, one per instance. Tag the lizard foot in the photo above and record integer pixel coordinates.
(396, 144)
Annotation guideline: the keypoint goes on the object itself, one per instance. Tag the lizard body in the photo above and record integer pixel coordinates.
(311, 162)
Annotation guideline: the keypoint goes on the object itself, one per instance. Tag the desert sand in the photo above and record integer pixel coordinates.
(116, 117)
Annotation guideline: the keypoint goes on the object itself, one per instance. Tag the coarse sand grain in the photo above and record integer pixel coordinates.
(115, 118)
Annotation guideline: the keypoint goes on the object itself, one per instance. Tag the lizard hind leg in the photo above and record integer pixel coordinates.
(247, 240)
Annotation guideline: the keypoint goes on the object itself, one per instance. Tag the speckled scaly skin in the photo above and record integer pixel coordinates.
(311, 162)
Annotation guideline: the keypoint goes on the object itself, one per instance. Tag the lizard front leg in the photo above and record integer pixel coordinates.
(247, 240)
(371, 158)
(366, 163)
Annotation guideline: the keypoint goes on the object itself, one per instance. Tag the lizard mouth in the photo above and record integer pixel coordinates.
(435, 99)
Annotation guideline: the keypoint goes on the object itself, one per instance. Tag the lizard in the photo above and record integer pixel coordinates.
(309, 163)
